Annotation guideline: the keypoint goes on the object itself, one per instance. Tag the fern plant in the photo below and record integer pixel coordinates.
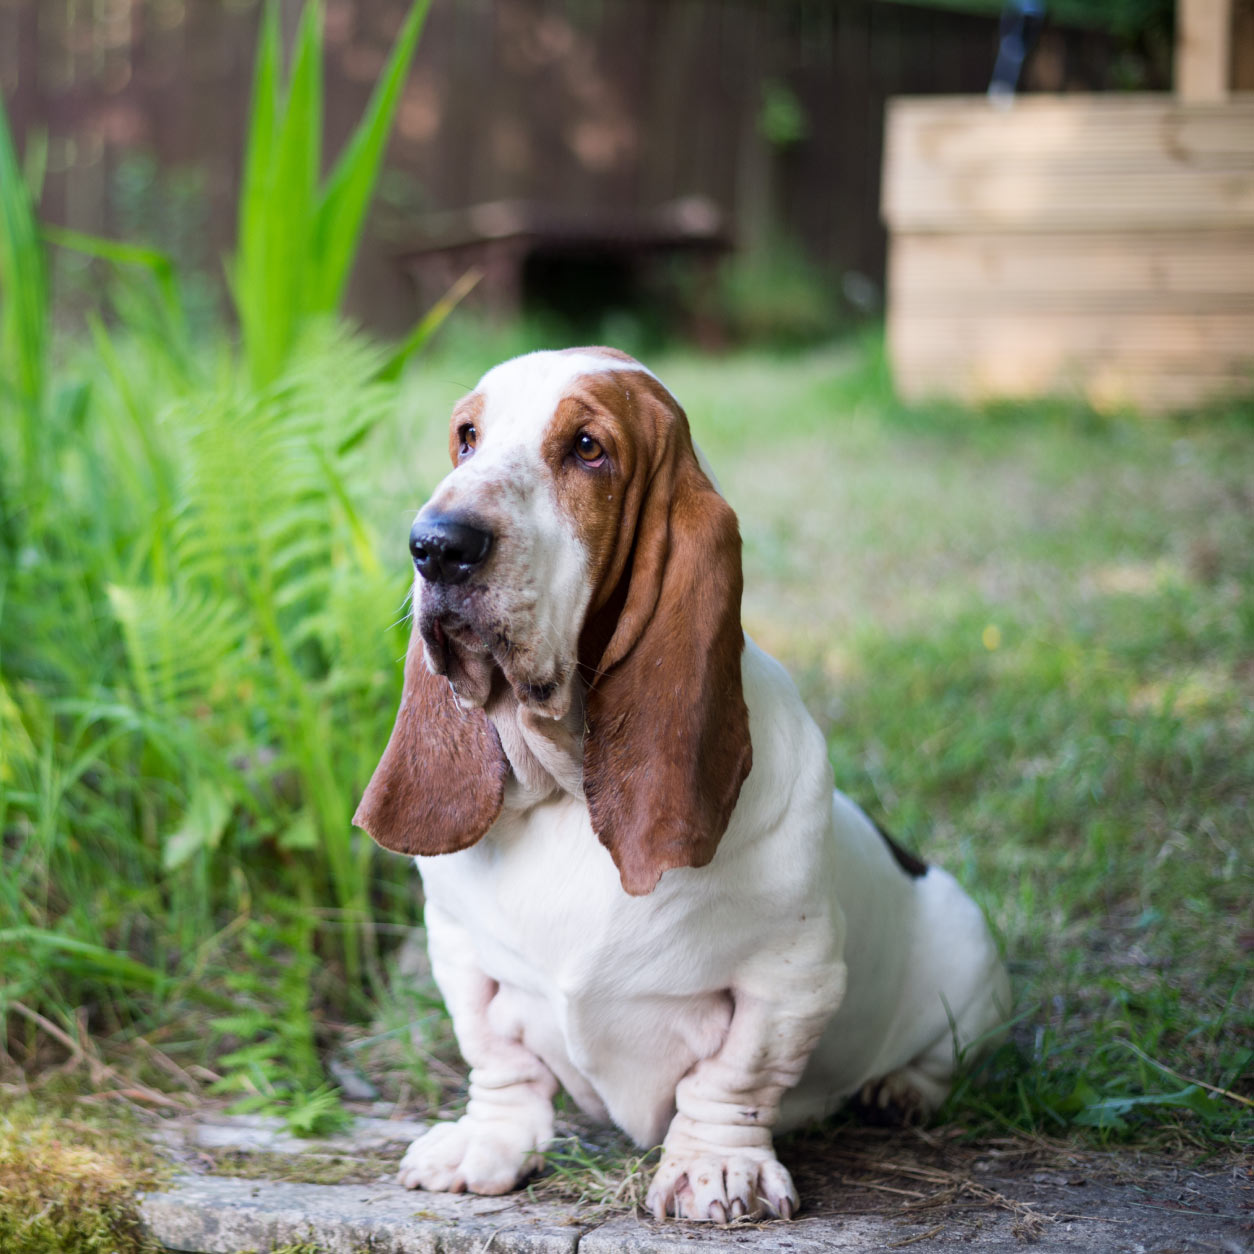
(192, 682)
(275, 1062)
(255, 636)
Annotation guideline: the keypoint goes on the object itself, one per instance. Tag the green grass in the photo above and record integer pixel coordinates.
(600, 1176)
(1028, 635)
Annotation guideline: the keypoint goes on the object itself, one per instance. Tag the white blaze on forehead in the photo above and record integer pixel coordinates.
(527, 390)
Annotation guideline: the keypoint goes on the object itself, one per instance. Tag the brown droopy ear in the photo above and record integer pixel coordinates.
(667, 744)
(440, 782)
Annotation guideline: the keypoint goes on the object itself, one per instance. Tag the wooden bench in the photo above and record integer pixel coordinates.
(516, 244)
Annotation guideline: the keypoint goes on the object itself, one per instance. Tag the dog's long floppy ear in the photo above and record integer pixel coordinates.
(441, 780)
(667, 744)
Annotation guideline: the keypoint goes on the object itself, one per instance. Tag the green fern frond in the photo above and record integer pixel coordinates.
(176, 640)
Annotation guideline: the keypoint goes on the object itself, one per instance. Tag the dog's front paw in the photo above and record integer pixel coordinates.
(470, 1156)
(721, 1186)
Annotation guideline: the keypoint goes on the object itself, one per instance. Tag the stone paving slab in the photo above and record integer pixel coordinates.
(1094, 1205)
(269, 1134)
(207, 1215)
(211, 1215)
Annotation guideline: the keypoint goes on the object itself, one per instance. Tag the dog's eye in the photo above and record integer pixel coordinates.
(588, 450)
(467, 438)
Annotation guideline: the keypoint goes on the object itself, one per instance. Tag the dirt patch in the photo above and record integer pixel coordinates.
(932, 1185)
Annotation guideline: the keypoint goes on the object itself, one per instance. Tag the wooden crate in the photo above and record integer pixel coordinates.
(1099, 244)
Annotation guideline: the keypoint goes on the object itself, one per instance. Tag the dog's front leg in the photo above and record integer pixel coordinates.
(509, 1117)
(718, 1159)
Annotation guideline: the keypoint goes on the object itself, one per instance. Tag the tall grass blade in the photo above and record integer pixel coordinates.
(297, 161)
(296, 244)
(429, 324)
(23, 277)
(272, 269)
(107, 962)
(342, 211)
(121, 966)
(153, 260)
(256, 301)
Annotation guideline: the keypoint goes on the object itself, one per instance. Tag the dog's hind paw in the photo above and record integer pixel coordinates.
(901, 1098)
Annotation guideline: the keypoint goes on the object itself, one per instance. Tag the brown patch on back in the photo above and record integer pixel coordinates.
(910, 863)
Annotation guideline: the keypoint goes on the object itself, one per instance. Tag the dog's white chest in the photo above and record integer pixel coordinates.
(618, 995)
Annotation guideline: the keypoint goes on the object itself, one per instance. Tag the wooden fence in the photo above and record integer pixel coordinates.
(598, 104)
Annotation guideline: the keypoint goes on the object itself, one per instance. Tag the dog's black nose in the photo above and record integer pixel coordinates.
(447, 550)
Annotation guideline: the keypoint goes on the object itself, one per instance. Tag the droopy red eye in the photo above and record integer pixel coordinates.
(467, 438)
(587, 449)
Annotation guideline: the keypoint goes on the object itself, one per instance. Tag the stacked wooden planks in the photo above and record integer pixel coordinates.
(1099, 244)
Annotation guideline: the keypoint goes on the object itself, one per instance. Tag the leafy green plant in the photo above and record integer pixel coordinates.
(269, 564)
(207, 737)
(275, 1065)
(188, 696)
(297, 240)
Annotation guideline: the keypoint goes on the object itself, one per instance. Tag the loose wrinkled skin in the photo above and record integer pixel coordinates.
(640, 883)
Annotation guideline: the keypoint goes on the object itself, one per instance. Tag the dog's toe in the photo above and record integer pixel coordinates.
(777, 1190)
(903, 1097)
(711, 1188)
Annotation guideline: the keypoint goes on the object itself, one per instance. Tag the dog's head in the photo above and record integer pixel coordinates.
(575, 549)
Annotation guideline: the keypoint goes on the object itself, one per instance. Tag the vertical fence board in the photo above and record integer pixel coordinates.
(1203, 50)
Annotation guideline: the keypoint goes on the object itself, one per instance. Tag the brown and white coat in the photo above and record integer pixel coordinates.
(640, 883)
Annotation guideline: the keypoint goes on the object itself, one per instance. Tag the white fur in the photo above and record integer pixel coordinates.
(800, 967)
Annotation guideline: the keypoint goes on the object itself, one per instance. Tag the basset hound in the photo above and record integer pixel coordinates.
(640, 884)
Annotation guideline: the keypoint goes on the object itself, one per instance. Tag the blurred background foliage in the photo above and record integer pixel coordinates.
(188, 698)
(770, 113)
